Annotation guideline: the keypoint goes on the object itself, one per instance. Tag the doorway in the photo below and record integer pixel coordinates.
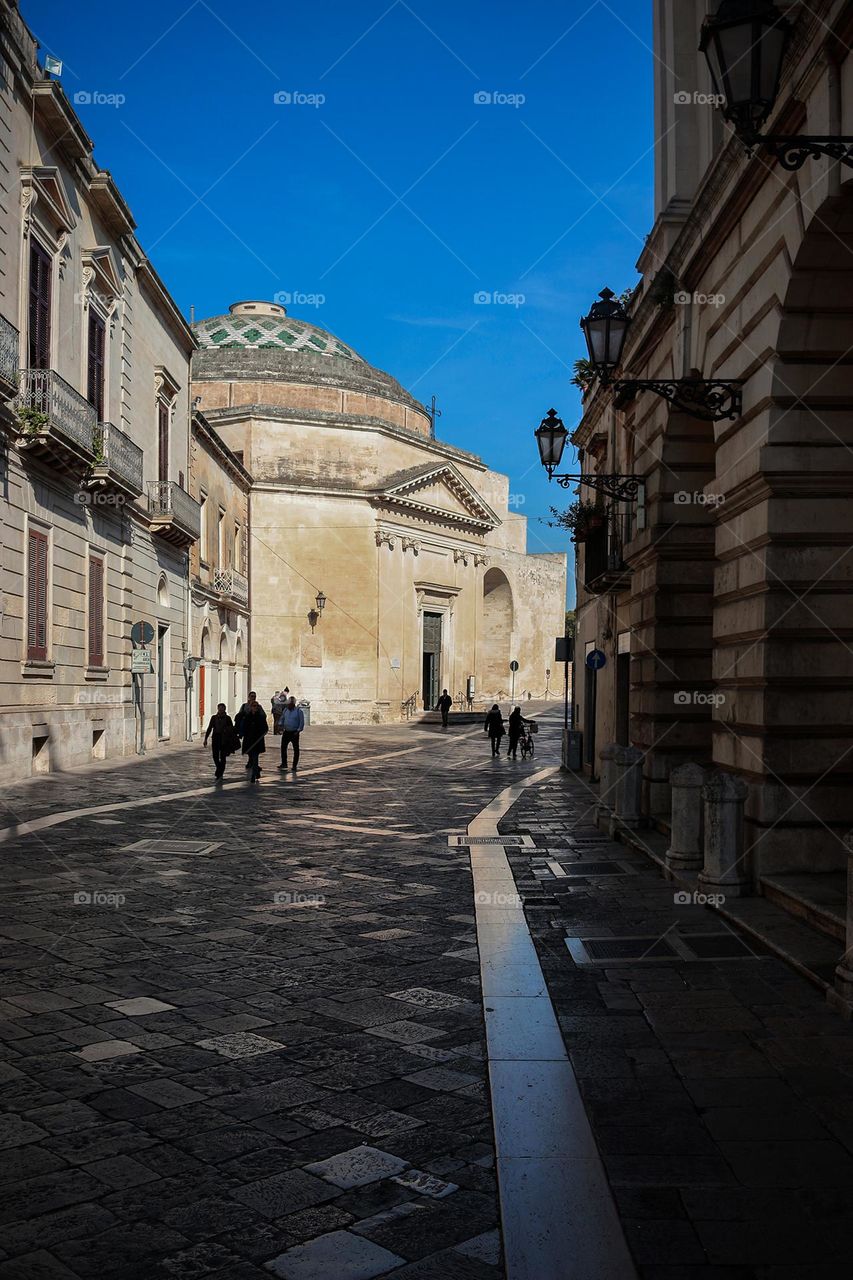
(590, 691)
(431, 660)
(163, 661)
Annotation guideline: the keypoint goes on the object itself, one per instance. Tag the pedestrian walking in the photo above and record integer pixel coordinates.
(279, 701)
(444, 704)
(516, 731)
(292, 724)
(252, 726)
(224, 738)
(494, 727)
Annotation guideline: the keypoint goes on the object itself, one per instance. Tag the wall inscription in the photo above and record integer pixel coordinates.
(310, 650)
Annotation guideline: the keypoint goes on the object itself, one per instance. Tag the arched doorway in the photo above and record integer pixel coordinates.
(240, 688)
(205, 692)
(496, 643)
(224, 670)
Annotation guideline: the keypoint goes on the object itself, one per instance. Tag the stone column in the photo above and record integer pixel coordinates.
(686, 850)
(724, 872)
(844, 972)
(607, 788)
(629, 787)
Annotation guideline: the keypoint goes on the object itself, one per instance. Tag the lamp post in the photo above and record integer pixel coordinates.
(551, 436)
(606, 328)
(745, 43)
(314, 614)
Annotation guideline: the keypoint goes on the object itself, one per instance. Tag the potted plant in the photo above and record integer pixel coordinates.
(581, 518)
(32, 420)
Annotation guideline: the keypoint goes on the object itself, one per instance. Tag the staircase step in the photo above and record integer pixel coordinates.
(818, 899)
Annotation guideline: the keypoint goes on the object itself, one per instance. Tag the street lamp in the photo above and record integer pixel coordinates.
(606, 330)
(321, 602)
(551, 436)
(745, 43)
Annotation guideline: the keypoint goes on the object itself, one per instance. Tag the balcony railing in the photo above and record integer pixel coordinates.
(174, 513)
(52, 412)
(231, 583)
(604, 566)
(9, 342)
(118, 461)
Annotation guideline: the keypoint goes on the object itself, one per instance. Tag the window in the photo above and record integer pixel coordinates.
(202, 537)
(220, 534)
(238, 549)
(162, 440)
(37, 587)
(96, 611)
(41, 273)
(97, 363)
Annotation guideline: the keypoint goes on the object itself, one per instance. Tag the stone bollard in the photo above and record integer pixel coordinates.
(607, 786)
(724, 798)
(629, 787)
(844, 972)
(686, 850)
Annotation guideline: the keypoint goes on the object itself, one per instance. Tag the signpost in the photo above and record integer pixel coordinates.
(596, 659)
(513, 666)
(141, 665)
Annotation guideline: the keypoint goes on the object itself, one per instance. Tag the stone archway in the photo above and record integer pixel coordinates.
(496, 635)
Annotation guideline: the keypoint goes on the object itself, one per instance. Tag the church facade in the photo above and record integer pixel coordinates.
(421, 568)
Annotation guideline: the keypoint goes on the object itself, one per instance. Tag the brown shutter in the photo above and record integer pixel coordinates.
(162, 441)
(97, 361)
(96, 611)
(37, 596)
(41, 268)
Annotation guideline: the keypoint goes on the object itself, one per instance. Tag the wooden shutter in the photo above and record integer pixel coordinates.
(96, 611)
(97, 363)
(41, 269)
(37, 596)
(162, 440)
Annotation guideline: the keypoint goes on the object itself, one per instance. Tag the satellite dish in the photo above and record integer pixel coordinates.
(142, 633)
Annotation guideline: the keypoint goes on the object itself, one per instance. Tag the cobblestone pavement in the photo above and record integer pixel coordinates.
(258, 1051)
(718, 1083)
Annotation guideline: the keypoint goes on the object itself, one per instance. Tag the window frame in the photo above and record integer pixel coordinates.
(33, 651)
(96, 657)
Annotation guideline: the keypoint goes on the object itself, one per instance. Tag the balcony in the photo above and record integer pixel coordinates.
(231, 585)
(55, 422)
(175, 516)
(118, 463)
(8, 360)
(604, 568)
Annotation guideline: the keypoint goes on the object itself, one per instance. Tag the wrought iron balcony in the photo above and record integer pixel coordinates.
(9, 341)
(175, 516)
(55, 421)
(604, 567)
(233, 585)
(118, 462)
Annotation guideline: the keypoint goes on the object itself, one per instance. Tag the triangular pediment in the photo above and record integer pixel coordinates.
(47, 186)
(106, 270)
(439, 493)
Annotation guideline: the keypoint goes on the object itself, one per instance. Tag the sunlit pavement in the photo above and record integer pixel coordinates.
(241, 1026)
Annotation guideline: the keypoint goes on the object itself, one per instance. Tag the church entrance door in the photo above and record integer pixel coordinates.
(431, 660)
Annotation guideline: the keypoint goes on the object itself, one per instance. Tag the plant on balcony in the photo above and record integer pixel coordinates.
(580, 519)
(99, 447)
(32, 420)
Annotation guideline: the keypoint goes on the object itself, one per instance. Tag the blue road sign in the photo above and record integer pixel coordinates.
(596, 660)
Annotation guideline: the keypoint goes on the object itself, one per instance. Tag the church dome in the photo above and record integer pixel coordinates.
(259, 325)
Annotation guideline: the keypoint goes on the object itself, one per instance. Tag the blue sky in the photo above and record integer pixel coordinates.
(399, 198)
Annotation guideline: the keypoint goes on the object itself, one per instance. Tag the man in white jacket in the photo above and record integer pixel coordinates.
(292, 723)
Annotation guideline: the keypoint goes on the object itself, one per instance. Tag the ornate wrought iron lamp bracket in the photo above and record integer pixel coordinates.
(712, 399)
(793, 151)
(622, 488)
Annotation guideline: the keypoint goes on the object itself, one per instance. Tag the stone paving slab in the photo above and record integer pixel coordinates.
(719, 1090)
(187, 1061)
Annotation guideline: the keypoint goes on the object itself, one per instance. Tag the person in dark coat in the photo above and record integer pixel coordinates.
(221, 729)
(516, 731)
(494, 727)
(253, 726)
(444, 704)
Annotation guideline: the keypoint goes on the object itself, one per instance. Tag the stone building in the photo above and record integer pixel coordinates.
(219, 582)
(96, 520)
(423, 567)
(723, 603)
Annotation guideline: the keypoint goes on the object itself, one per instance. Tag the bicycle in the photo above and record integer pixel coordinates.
(528, 746)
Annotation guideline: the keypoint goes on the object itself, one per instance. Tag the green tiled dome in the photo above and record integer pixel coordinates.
(266, 324)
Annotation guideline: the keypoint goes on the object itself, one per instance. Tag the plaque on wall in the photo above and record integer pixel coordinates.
(310, 650)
